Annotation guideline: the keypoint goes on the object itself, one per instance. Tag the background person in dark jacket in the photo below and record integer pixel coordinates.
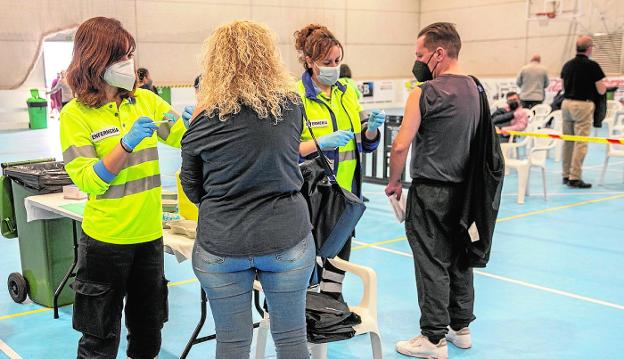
(440, 122)
(240, 164)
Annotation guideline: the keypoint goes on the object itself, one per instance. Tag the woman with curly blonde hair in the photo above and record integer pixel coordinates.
(240, 165)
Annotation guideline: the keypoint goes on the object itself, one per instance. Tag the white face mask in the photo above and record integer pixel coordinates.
(328, 75)
(121, 74)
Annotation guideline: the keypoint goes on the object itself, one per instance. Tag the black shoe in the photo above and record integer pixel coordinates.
(579, 184)
(565, 180)
(364, 199)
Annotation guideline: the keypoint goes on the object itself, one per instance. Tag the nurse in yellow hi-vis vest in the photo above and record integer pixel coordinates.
(109, 139)
(337, 121)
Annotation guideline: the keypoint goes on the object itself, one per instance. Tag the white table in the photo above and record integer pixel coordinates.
(49, 206)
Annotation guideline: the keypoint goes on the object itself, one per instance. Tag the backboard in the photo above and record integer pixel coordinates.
(547, 10)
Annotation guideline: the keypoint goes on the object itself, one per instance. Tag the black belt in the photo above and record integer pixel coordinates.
(578, 99)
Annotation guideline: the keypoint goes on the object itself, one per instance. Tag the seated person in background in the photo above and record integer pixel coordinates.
(189, 111)
(512, 116)
(145, 80)
(196, 83)
(345, 74)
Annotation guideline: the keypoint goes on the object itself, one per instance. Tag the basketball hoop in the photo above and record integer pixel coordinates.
(544, 17)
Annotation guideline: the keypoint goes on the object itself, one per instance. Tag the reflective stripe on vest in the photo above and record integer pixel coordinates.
(131, 187)
(73, 152)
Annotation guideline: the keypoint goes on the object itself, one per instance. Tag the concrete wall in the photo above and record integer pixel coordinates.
(378, 35)
(497, 39)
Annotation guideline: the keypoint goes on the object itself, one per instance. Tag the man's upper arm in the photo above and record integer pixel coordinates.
(599, 77)
(601, 87)
(411, 121)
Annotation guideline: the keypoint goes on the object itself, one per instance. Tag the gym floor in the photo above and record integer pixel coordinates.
(553, 287)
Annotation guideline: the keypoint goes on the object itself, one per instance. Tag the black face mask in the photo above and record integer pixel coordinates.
(513, 105)
(421, 70)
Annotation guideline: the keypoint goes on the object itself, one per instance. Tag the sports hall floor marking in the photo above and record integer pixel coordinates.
(8, 351)
(399, 239)
(182, 282)
(517, 282)
(568, 194)
(5, 317)
(10, 316)
(375, 245)
(504, 219)
(553, 209)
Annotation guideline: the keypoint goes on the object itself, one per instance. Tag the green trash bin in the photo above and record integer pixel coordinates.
(165, 93)
(37, 110)
(46, 246)
(611, 92)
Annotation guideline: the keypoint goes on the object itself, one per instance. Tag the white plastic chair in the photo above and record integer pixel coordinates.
(613, 107)
(539, 154)
(557, 126)
(513, 148)
(615, 130)
(366, 309)
(540, 112)
(536, 158)
(550, 117)
(555, 119)
(530, 115)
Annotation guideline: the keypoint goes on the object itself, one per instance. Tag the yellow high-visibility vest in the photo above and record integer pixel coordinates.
(129, 209)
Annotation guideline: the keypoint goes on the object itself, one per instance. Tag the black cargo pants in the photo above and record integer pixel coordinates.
(108, 273)
(444, 284)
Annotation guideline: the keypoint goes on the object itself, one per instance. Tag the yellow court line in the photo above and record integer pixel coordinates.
(4, 317)
(379, 243)
(16, 315)
(546, 210)
(182, 282)
(505, 219)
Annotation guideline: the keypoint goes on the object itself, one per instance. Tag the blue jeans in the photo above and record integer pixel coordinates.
(228, 282)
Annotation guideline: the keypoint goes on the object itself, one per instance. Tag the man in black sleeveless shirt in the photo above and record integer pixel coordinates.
(440, 122)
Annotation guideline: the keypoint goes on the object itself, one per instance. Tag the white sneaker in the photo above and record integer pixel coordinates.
(460, 338)
(421, 347)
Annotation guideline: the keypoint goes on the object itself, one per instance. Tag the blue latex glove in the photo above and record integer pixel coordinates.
(142, 128)
(187, 115)
(170, 117)
(376, 119)
(335, 139)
